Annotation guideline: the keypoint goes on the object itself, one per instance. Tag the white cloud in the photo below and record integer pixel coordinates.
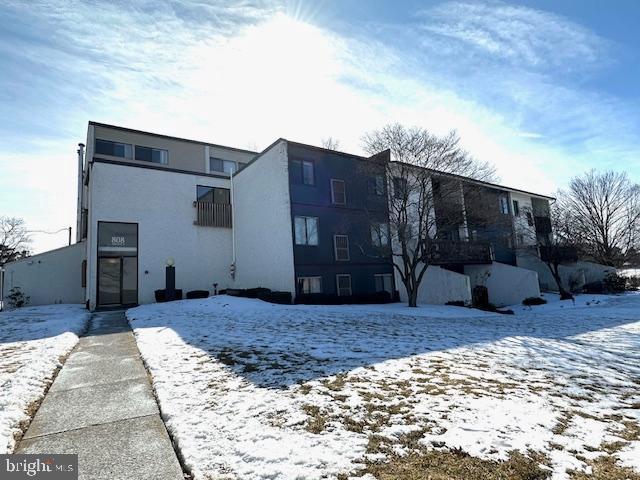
(521, 35)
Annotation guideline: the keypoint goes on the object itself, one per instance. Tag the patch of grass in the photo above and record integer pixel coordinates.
(631, 430)
(612, 447)
(317, 419)
(226, 358)
(605, 468)
(337, 383)
(563, 423)
(457, 465)
(305, 389)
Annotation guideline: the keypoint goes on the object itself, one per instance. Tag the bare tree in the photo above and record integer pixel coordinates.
(604, 215)
(426, 202)
(558, 247)
(330, 143)
(14, 239)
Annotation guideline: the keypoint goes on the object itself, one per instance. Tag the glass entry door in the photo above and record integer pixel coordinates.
(117, 281)
(117, 264)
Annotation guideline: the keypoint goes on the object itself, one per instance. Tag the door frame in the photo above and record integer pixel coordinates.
(98, 256)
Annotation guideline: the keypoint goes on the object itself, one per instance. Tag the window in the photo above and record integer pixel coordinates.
(516, 208)
(302, 171)
(376, 185)
(399, 187)
(384, 282)
(306, 229)
(114, 149)
(338, 192)
(529, 218)
(341, 247)
(343, 284)
(153, 155)
(83, 278)
(309, 284)
(380, 234)
(213, 195)
(224, 166)
(504, 205)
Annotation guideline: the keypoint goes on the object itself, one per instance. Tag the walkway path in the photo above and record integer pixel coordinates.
(101, 407)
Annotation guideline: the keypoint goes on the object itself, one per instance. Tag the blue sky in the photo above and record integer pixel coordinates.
(544, 90)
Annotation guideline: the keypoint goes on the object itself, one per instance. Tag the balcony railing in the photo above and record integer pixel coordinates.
(212, 214)
(559, 254)
(443, 252)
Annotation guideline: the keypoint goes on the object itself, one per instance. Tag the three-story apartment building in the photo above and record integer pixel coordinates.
(293, 218)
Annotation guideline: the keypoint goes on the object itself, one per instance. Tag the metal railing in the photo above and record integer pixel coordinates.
(442, 252)
(212, 214)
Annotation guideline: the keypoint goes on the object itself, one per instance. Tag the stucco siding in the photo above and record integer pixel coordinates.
(573, 276)
(161, 203)
(263, 231)
(507, 285)
(438, 286)
(49, 277)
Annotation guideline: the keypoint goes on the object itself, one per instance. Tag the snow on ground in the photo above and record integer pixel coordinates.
(254, 390)
(32, 341)
(629, 272)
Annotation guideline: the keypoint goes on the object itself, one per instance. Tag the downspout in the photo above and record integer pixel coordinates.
(232, 267)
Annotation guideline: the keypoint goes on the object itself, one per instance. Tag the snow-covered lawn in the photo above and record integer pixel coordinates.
(254, 390)
(32, 342)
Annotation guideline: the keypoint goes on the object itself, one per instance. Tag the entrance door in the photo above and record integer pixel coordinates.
(109, 273)
(117, 281)
(117, 264)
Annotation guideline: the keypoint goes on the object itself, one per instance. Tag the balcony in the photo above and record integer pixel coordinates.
(559, 254)
(447, 252)
(543, 225)
(212, 214)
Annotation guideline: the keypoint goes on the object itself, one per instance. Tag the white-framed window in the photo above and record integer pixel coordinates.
(306, 230)
(376, 185)
(504, 205)
(516, 208)
(384, 282)
(302, 172)
(399, 187)
(114, 149)
(153, 155)
(341, 247)
(338, 192)
(380, 234)
(222, 166)
(310, 284)
(343, 284)
(529, 216)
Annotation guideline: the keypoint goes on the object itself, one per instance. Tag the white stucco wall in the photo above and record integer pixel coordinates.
(574, 275)
(507, 285)
(50, 277)
(438, 287)
(263, 232)
(162, 205)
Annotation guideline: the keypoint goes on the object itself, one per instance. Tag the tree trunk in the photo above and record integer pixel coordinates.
(555, 272)
(413, 298)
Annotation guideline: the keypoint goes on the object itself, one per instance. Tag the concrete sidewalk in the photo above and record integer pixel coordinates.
(101, 407)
